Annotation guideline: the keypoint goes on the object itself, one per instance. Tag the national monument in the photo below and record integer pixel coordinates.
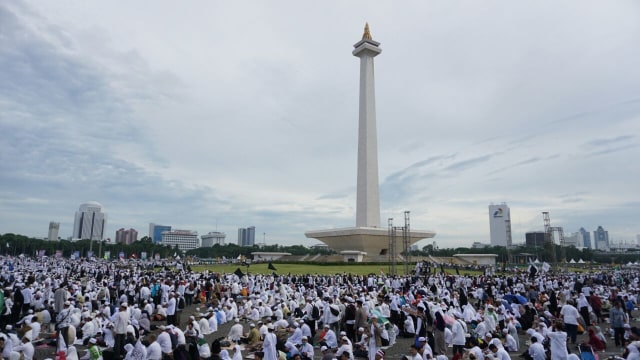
(367, 238)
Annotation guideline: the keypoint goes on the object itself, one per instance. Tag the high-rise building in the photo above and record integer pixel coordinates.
(500, 225)
(247, 236)
(185, 239)
(90, 222)
(535, 239)
(586, 238)
(575, 240)
(213, 238)
(54, 229)
(126, 236)
(155, 232)
(601, 239)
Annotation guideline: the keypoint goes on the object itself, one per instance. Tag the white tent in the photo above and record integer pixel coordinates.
(572, 261)
(537, 261)
(580, 261)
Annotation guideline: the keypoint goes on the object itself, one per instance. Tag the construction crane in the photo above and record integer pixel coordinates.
(549, 239)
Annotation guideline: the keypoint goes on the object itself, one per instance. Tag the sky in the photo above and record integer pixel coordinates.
(215, 115)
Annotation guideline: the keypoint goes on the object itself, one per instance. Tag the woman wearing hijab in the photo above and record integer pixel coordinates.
(237, 353)
(128, 348)
(72, 353)
(224, 355)
(439, 344)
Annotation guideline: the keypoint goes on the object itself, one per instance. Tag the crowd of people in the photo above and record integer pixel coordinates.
(133, 310)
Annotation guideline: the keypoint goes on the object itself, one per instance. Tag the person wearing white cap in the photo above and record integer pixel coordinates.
(306, 349)
(63, 319)
(458, 334)
(328, 337)
(25, 348)
(424, 348)
(269, 344)
(345, 346)
(235, 332)
(203, 348)
(296, 336)
(510, 343)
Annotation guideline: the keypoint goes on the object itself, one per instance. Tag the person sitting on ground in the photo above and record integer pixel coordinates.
(596, 343)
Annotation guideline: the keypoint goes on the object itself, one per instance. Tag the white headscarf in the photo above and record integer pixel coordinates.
(237, 354)
(72, 353)
(224, 355)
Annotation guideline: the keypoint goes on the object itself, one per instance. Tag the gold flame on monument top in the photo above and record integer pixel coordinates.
(367, 33)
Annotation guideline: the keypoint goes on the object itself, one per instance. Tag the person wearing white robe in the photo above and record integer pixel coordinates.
(237, 353)
(204, 325)
(510, 343)
(72, 353)
(269, 345)
(558, 344)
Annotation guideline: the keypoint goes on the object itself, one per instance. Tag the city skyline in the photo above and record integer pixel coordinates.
(213, 116)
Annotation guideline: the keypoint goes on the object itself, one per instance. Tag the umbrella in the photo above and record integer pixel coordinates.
(515, 299)
(449, 320)
(381, 319)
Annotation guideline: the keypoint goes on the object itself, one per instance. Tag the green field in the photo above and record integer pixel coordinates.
(302, 269)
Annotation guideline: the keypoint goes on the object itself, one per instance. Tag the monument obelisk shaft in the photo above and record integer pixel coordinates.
(367, 238)
(368, 194)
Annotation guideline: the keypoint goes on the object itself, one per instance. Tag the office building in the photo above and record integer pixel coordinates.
(185, 239)
(535, 239)
(89, 222)
(213, 238)
(500, 225)
(126, 236)
(601, 239)
(155, 232)
(54, 229)
(247, 236)
(586, 238)
(575, 240)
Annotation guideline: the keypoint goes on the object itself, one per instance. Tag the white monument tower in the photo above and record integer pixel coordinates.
(368, 195)
(366, 238)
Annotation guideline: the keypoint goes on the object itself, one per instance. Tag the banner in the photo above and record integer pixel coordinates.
(76, 255)
(143, 255)
(156, 256)
(58, 253)
(42, 253)
(121, 255)
(107, 255)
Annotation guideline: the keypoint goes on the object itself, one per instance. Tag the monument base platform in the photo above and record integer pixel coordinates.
(373, 241)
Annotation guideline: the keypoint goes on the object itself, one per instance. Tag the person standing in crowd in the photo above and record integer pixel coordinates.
(570, 316)
(616, 318)
(171, 309)
(120, 325)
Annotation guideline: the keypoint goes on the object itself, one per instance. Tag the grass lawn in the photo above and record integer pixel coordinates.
(301, 268)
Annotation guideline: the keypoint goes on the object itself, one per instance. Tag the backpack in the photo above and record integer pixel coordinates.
(181, 303)
(315, 313)
(174, 340)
